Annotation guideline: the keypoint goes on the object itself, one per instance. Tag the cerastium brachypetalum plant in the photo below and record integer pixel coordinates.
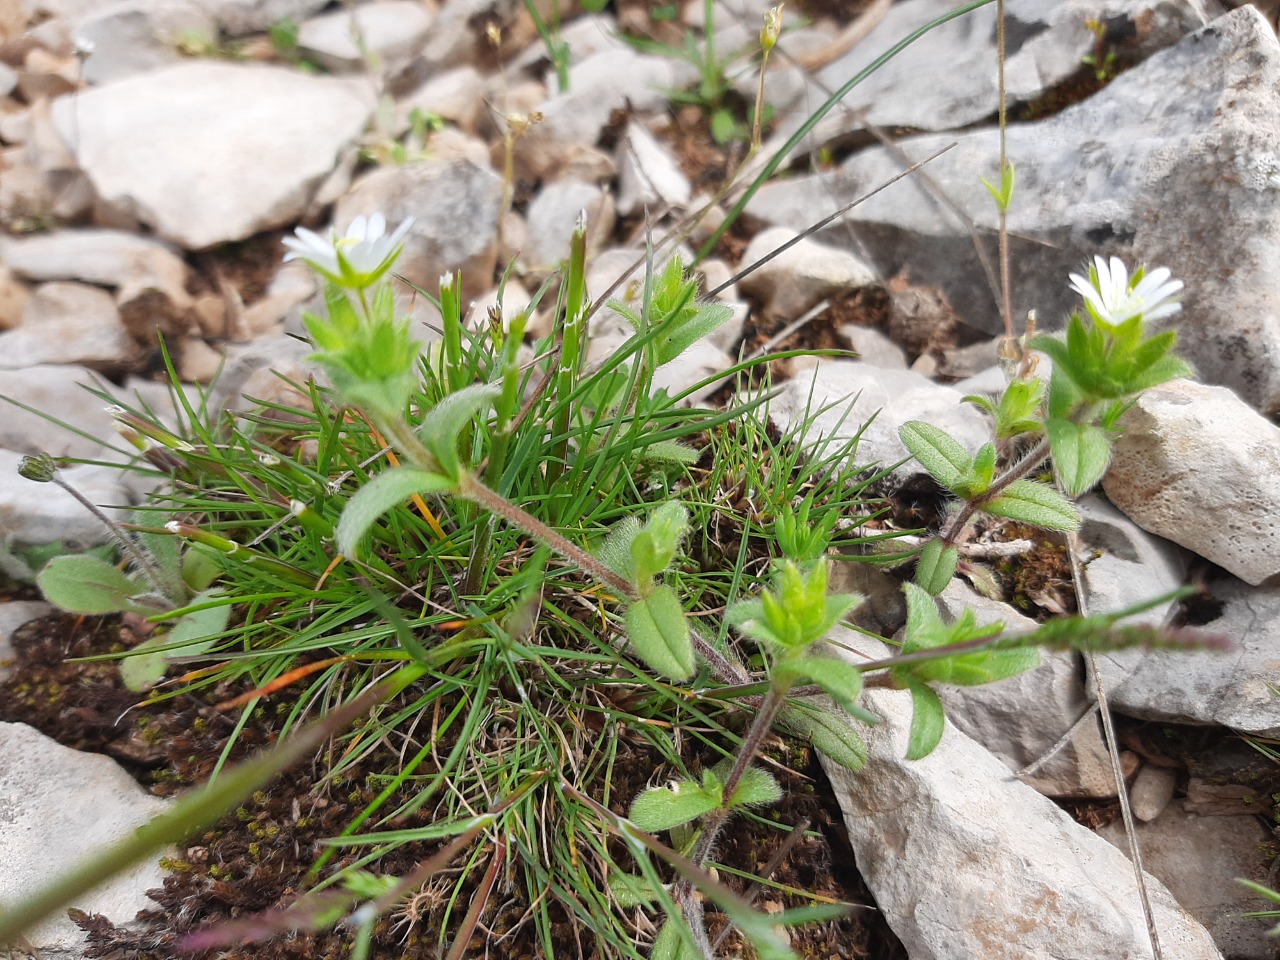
(537, 554)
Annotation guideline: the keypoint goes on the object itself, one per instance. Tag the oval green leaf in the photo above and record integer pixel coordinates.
(379, 495)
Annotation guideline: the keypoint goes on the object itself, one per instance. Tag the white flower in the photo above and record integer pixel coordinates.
(1112, 298)
(356, 259)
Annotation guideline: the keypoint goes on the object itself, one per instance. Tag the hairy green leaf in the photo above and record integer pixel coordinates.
(1034, 503)
(927, 719)
(444, 424)
(84, 584)
(674, 803)
(937, 451)
(755, 788)
(936, 566)
(388, 489)
(660, 635)
(1080, 454)
(830, 735)
(841, 681)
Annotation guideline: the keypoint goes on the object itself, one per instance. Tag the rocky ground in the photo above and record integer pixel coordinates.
(154, 154)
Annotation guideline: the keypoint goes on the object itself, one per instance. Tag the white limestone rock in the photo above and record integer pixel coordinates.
(1234, 689)
(391, 30)
(1174, 163)
(132, 37)
(1020, 719)
(648, 175)
(1198, 466)
(207, 153)
(553, 215)
(965, 862)
(1199, 859)
(838, 397)
(800, 276)
(60, 807)
(40, 513)
(68, 323)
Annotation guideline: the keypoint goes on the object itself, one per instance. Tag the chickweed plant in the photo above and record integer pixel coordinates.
(505, 574)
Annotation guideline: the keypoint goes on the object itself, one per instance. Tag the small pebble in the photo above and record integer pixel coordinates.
(1152, 790)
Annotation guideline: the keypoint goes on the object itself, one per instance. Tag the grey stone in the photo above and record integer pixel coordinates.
(648, 175)
(1191, 130)
(38, 513)
(108, 258)
(59, 807)
(8, 80)
(1199, 859)
(840, 396)
(1122, 565)
(391, 31)
(966, 863)
(874, 347)
(608, 81)
(1225, 503)
(944, 80)
(1022, 718)
(455, 205)
(12, 616)
(133, 37)
(1233, 689)
(553, 215)
(456, 95)
(55, 391)
(800, 276)
(1151, 792)
(207, 153)
(583, 36)
(13, 298)
(68, 323)
(238, 17)
(702, 360)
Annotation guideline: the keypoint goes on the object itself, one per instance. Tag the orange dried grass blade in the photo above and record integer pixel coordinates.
(279, 683)
(418, 502)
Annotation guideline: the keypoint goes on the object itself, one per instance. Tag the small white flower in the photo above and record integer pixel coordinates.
(356, 259)
(1112, 298)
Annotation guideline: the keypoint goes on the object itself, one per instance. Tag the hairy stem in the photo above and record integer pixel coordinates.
(955, 529)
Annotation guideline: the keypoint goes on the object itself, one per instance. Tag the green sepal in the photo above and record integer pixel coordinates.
(796, 611)
(1081, 453)
(659, 633)
(936, 566)
(388, 489)
(928, 719)
(945, 459)
(1034, 503)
